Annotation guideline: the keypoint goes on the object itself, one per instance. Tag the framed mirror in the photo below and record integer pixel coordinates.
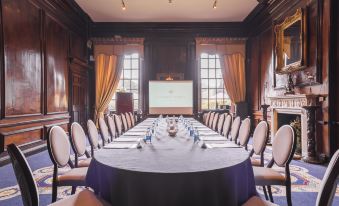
(291, 44)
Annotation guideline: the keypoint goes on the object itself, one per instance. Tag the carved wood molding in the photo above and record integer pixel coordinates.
(294, 101)
(118, 40)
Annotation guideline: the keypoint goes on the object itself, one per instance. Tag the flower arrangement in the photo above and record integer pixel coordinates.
(296, 124)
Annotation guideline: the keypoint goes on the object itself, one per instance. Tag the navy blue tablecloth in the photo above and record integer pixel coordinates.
(172, 172)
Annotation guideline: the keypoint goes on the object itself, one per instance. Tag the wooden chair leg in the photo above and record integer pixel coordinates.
(288, 194)
(74, 188)
(270, 193)
(265, 192)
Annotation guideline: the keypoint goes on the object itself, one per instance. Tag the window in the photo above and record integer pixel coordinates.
(129, 80)
(212, 88)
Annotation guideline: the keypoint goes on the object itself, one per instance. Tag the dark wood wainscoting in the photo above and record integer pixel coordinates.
(38, 38)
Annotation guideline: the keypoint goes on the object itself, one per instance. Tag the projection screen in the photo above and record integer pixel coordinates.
(171, 97)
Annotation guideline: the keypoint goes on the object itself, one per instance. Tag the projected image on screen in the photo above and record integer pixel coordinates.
(170, 97)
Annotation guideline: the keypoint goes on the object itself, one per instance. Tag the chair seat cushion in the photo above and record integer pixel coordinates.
(257, 201)
(255, 162)
(73, 177)
(267, 176)
(82, 198)
(84, 162)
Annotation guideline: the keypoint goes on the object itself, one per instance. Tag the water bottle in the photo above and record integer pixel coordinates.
(196, 135)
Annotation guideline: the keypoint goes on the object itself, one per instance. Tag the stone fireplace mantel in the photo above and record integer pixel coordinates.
(304, 105)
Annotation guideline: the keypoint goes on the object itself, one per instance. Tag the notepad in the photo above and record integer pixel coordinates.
(208, 133)
(134, 133)
(127, 139)
(138, 130)
(121, 146)
(213, 138)
(222, 145)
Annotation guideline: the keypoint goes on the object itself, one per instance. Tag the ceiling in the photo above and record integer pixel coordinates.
(163, 11)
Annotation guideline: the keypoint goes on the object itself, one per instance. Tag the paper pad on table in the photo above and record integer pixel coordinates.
(208, 133)
(223, 145)
(127, 139)
(121, 146)
(134, 133)
(213, 138)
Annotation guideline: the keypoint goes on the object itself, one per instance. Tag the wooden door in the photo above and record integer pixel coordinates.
(79, 95)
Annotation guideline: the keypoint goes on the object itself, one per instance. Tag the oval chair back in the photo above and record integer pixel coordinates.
(235, 129)
(220, 123)
(260, 136)
(128, 119)
(59, 146)
(283, 146)
(210, 121)
(207, 118)
(244, 132)
(132, 118)
(112, 127)
(78, 141)
(124, 121)
(329, 183)
(118, 124)
(93, 136)
(104, 131)
(227, 125)
(24, 176)
(215, 121)
(204, 116)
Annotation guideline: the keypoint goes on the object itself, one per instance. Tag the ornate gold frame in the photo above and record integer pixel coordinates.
(281, 68)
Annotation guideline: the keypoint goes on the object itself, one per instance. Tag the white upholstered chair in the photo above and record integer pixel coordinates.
(221, 123)
(78, 140)
(235, 129)
(93, 136)
(59, 149)
(260, 136)
(244, 132)
(227, 125)
(124, 121)
(118, 124)
(283, 147)
(210, 121)
(105, 136)
(112, 127)
(29, 189)
(215, 121)
(128, 119)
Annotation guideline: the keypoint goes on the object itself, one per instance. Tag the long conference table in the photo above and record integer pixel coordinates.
(173, 171)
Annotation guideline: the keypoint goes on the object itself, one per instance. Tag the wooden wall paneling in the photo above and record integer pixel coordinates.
(34, 66)
(79, 94)
(2, 68)
(56, 62)
(22, 62)
(169, 55)
(333, 77)
(78, 47)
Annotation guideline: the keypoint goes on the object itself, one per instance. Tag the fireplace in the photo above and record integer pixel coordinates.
(295, 121)
(285, 109)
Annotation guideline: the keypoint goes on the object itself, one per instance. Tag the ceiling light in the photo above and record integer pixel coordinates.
(123, 6)
(215, 4)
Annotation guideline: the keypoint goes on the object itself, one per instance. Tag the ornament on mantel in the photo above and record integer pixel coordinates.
(289, 88)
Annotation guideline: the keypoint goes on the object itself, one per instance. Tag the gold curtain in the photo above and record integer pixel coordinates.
(233, 73)
(107, 75)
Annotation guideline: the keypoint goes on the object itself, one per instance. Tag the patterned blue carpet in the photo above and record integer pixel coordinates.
(306, 179)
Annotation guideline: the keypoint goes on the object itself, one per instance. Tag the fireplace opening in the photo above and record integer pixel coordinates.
(295, 121)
